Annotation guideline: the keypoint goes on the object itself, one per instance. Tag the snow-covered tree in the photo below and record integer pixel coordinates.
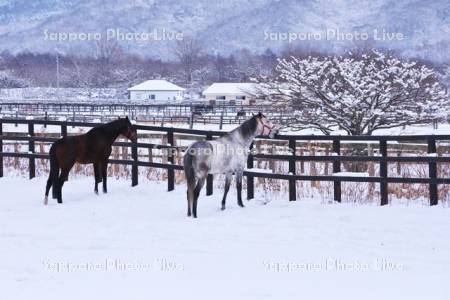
(10, 81)
(444, 76)
(357, 93)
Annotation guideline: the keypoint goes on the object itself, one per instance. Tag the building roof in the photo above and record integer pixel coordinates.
(230, 88)
(156, 85)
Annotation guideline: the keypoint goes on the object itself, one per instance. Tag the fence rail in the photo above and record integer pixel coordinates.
(193, 113)
(432, 158)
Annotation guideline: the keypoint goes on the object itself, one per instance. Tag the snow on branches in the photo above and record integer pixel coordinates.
(359, 93)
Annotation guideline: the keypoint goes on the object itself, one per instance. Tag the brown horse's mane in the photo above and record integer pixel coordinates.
(111, 127)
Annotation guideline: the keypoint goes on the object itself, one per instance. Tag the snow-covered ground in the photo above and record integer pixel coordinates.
(137, 243)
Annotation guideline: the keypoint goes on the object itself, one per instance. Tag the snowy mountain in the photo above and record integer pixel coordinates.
(226, 26)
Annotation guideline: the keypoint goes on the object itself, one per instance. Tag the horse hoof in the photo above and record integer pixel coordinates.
(96, 192)
(222, 208)
(241, 205)
(45, 200)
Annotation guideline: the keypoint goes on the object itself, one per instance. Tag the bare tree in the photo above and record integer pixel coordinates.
(108, 53)
(188, 51)
(9, 81)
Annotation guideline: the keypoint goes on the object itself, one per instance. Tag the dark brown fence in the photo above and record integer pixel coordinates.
(200, 112)
(432, 159)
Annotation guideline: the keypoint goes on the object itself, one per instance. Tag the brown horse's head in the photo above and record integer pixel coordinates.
(129, 130)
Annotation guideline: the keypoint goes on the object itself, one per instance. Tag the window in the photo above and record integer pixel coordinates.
(240, 97)
(220, 98)
(152, 97)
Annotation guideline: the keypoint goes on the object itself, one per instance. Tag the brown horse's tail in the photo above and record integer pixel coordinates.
(54, 173)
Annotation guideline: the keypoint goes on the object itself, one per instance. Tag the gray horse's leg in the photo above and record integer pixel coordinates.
(239, 174)
(227, 187)
(190, 195)
(198, 188)
(190, 180)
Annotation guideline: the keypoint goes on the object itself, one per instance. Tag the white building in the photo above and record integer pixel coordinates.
(156, 90)
(230, 93)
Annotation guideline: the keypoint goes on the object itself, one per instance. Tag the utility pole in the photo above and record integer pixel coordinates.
(57, 74)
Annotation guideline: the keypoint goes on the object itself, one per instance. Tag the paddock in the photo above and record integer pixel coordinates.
(137, 243)
(394, 166)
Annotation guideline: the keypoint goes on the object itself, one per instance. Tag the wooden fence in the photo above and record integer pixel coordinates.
(195, 113)
(432, 158)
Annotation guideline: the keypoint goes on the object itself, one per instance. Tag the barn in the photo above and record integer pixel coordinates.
(156, 91)
(230, 93)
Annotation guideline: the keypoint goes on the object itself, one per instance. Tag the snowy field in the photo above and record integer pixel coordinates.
(137, 243)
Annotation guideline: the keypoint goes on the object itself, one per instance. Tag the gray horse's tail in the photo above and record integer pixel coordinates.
(188, 163)
(189, 171)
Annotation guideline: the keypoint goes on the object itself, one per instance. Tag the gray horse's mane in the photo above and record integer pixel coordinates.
(248, 128)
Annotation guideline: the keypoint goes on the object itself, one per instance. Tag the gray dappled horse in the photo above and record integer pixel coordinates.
(225, 155)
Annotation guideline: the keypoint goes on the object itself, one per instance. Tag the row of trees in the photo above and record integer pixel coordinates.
(109, 66)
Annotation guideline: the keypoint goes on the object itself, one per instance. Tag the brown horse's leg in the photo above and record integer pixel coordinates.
(96, 177)
(63, 178)
(47, 187)
(104, 175)
(60, 185)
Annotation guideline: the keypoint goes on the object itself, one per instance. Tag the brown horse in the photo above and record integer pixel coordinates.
(93, 147)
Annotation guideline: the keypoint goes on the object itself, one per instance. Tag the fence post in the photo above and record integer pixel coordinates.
(432, 169)
(134, 166)
(292, 163)
(337, 169)
(1, 149)
(383, 173)
(46, 119)
(64, 130)
(210, 177)
(191, 120)
(32, 165)
(221, 120)
(171, 160)
(250, 179)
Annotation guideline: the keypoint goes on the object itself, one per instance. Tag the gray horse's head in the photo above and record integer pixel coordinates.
(265, 126)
